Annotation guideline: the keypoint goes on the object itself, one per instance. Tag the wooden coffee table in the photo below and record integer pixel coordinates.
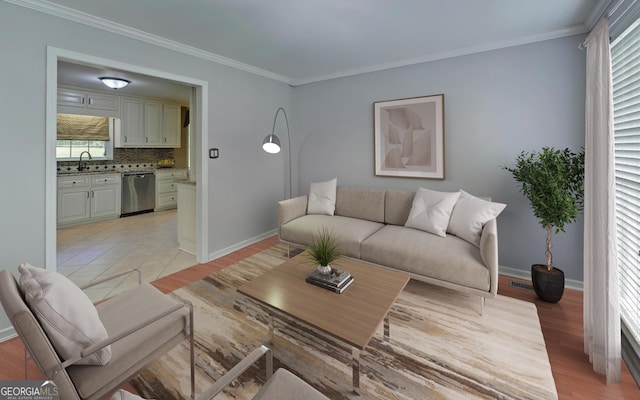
(364, 305)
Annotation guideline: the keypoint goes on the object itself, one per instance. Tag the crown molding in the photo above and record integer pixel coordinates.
(574, 30)
(47, 7)
(109, 26)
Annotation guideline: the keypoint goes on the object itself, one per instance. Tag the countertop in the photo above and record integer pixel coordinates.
(118, 170)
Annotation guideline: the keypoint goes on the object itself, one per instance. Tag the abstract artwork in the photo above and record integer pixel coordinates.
(409, 137)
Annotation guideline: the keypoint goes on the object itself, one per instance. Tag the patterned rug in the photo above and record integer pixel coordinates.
(440, 347)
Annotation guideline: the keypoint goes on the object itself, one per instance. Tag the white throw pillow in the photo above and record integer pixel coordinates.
(322, 197)
(469, 216)
(431, 210)
(65, 312)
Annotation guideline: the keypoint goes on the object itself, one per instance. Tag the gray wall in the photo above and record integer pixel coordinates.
(497, 104)
(244, 183)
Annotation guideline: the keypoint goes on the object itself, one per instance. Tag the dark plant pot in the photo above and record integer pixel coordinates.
(549, 285)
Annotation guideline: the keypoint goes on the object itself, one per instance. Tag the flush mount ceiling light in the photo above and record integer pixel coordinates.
(114, 83)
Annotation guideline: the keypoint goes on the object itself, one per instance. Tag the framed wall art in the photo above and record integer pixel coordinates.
(409, 137)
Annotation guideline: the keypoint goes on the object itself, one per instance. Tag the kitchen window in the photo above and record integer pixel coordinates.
(71, 149)
(79, 133)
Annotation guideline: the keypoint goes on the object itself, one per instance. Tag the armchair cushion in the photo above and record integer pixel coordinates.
(284, 385)
(132, 353)
(65, 312)
(124, 395)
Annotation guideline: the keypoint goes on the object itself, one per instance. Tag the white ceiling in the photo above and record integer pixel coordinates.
(302, 41)
(141, 85)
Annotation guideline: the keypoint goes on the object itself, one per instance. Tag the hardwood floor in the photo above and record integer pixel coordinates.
(561, 325)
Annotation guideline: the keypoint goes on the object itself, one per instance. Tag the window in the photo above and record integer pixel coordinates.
(71, 149)
(625, 63)
(79, 133)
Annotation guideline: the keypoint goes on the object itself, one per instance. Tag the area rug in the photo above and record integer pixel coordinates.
(440, 347)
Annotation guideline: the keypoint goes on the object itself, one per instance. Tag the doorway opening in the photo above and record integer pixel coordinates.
(198, 126)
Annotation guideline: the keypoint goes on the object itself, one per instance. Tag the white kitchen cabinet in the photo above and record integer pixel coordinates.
(132, 132)
(172, 125)
(79, 101)
(153, 120)
(149, 123)
(167, 188)
(74, 202)
(88, 198)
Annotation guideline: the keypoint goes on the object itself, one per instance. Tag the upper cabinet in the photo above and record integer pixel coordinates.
(172, 125)
(80, 101)
(149, 123)
(132, 123)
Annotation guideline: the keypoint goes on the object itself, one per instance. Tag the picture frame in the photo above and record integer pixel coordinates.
(409, 137)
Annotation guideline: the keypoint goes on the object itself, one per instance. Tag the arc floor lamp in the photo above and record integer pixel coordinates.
(271, 143)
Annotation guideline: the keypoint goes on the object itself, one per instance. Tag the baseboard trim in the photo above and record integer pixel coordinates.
(522, 274)
(7, 334)
(240, 245)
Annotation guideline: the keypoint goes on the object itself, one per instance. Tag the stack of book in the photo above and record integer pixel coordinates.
(337, 281)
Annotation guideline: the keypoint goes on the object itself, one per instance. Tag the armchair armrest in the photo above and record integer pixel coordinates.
(237, 370)
(291, 209)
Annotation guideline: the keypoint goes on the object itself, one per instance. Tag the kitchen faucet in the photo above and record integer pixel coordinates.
(80, 167)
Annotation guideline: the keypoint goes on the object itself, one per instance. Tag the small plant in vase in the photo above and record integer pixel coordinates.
(323, 250)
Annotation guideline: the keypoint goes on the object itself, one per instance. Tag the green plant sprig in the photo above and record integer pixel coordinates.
(323, 248)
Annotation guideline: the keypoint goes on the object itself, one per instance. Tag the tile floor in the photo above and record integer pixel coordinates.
(147, 242)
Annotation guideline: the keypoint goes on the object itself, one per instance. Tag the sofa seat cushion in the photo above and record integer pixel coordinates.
(449, 259)
(349, 232)
(128, 355)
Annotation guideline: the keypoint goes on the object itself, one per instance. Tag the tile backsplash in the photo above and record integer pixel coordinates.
(128, 159)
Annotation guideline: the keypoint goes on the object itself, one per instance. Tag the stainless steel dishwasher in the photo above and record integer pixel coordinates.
(138, 193)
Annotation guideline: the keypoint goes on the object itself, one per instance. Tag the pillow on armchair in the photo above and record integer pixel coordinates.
(65, 313)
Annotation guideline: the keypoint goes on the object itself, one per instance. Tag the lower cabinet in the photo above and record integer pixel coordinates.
(167, 188)
(87, 198)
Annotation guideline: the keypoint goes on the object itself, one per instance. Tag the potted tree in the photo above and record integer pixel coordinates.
(553, 181)
(323, 251)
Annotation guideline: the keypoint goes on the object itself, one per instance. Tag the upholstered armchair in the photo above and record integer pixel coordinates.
(91, 351)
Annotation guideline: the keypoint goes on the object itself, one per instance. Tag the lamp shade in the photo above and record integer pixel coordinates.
(114, 83)
(271, 144)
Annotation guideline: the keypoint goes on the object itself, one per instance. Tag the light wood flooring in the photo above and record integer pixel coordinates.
(561, 326)
(147, 242)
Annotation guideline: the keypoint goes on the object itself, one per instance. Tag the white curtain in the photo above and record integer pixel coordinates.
(601, 300)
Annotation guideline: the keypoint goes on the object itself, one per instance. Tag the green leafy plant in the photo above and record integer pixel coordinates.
(323, 249)
(553, 181)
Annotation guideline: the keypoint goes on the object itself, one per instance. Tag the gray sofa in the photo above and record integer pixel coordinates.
(369, 225)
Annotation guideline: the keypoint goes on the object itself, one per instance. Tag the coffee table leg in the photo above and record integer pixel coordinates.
(271, 328)
(386, 328)
(355, 363)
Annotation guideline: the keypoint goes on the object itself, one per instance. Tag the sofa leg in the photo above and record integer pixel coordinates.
(482, 300)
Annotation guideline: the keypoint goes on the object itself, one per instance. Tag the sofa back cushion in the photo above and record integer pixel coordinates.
(361, 203)
(397, 206)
